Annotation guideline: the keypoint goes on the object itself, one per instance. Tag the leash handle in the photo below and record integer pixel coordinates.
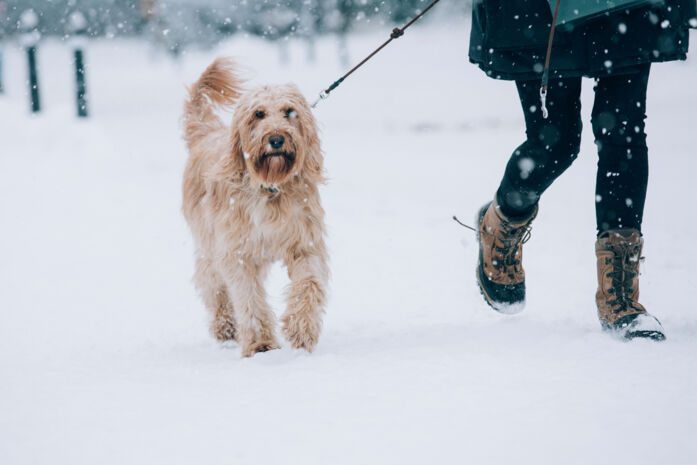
(545, 74)
(395, 34)
(543, 102)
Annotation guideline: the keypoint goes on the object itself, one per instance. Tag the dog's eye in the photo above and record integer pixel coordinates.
(260, 114)
(292, 114)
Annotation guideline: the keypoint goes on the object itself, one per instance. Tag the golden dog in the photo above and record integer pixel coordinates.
(250, 196)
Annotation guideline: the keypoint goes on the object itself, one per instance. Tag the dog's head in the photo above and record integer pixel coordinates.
(275, 134)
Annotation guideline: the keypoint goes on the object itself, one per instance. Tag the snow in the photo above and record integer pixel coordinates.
(644, 323)
(526, 166)
(104, 351)
(28, 19)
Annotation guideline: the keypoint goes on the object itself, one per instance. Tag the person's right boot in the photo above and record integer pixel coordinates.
(500, 273)
(619, 254)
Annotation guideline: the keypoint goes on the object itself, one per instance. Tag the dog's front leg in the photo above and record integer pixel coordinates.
(307, 295)
(254, 318)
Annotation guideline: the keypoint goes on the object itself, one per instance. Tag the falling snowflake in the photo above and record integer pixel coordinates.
(526, 165)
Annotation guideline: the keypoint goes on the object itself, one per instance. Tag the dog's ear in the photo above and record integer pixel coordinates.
(314, 160)
(232, 166)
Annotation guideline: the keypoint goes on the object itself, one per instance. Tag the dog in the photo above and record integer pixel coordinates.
(250, 197)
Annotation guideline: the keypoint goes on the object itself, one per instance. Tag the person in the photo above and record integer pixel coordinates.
(509, 40)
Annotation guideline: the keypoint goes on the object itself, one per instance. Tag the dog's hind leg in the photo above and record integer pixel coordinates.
(215, 296)
(255, 320)
(307, 295)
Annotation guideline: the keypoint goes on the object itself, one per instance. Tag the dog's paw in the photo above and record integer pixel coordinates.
(259, 346)
(301, 330)
(223, 329)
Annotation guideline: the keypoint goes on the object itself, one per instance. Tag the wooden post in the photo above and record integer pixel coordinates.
(2, 88)
(77, 28)
(28, 24)
(80, 84)
(33, 80)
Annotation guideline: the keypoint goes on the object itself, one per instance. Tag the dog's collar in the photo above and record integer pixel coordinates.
(271, 190)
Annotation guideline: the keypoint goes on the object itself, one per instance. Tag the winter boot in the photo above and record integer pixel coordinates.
(500, 271)
(619, 254)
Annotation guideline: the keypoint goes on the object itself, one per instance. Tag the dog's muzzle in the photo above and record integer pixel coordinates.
(287, 156)
(274, 167)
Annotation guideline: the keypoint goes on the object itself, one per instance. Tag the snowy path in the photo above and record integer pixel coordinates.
(104, 351)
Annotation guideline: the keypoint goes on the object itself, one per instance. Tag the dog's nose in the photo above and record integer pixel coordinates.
(277, 141)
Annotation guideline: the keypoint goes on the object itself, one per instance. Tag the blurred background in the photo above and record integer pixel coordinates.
(176, 26)
(35, 35)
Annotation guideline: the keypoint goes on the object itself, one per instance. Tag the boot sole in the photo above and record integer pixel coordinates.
(653, 335)
(627, 334)
(631, 335)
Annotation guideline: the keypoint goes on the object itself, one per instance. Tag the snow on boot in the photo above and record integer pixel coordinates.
(500, 271)
(619, 253)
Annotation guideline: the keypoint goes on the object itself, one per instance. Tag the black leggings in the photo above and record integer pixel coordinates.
(553, 144)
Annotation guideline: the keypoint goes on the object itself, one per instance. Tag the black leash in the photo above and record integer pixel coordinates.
(396, 34)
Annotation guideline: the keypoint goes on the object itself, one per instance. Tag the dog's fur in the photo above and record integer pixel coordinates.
(249, 204)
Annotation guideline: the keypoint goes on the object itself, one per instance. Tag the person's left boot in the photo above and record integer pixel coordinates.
(619, 254)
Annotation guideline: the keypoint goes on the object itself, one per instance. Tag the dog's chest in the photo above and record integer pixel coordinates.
(272, 227)
(267, 220)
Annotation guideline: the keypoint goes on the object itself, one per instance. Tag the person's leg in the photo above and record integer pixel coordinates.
(618, 125)
(552, 144)
(504, 225)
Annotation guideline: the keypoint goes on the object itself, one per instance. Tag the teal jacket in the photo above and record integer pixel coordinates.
(509, 39)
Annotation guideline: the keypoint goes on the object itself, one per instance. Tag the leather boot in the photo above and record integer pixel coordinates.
(500, 271)
(619, 255)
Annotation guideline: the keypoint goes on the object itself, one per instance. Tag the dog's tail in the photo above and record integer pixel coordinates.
(219, 85)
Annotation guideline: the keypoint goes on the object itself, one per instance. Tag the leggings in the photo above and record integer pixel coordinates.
(553, 144)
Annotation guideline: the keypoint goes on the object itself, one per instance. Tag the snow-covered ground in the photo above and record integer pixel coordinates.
(105, 356)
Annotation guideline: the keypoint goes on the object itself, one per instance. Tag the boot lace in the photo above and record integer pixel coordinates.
(511, 239)
(625, 267)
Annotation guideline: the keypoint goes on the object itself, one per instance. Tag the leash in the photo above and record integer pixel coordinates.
(545, 74)
(396, 34)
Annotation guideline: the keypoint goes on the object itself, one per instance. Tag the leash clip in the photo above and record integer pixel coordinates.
(322, 96)
(543, 102)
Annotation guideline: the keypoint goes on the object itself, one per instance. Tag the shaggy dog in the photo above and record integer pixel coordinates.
(250, 197)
